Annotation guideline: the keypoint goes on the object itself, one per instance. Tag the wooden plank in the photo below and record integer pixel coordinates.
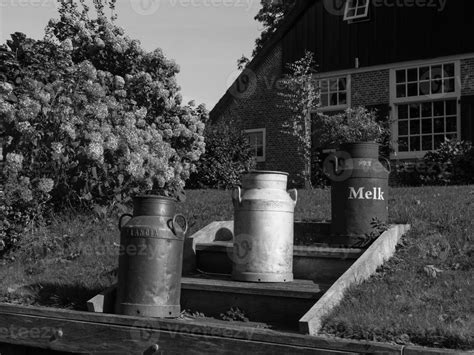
(298, 250)
(140, 338)
(417, 350)
(296, 289)
(379, 252)
(198, 327)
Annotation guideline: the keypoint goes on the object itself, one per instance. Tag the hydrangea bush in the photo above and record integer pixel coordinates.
(89, 118)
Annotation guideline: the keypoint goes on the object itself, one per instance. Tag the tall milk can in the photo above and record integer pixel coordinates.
(263, 228)
(359, 191)
(150, 261)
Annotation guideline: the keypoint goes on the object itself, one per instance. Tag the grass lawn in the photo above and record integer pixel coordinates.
(424, 295)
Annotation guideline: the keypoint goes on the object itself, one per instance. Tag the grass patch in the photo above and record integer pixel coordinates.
(67, 262)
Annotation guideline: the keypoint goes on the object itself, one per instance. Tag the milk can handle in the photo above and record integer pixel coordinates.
(237, 195)
(120, 226)
(175, 222)
(293, 194)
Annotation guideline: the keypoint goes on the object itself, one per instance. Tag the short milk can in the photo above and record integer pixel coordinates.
(263, 228)
(151, 257)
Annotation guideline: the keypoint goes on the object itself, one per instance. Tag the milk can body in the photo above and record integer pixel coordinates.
(150, 261)
(263, 228)
(359, 192)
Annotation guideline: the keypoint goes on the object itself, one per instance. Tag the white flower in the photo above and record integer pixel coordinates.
(95, 151)
(57, 147)
(46, 185)
(67, 45)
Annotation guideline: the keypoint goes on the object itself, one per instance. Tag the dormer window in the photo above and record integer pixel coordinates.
(356, 10)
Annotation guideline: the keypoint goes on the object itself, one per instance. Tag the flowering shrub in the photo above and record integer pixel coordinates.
(227, 156)
(451, 164)
(90, 118)
(354, 125)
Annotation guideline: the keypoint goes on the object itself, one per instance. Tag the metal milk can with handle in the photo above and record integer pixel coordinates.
(151, 258)
(359, 191)
(263, 228)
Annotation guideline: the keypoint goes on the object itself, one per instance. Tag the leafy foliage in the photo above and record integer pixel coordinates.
(451, 164)
(301, 96)
(89, 118)
(227, 156)
(354, 125)
(270, 16)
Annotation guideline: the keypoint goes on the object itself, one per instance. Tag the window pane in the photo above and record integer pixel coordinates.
(342, 84)
(414, 110)
(333, 100)
(403, 128)
(436, 86)
(426, 109)
(415, 144)
(360, 11)
(413, 89)
(260, 151)
(424, 73)
(425, 88)
(427, 126)
(449, 85)
(427, 143)
(451, 124)
(401, 90)
(448, 70)
(351, 13)
(413, 74)
(403, 144)
(401, 76)
(415, 127)
(438, 139)
(436, 72)
(439, 125)
(333, 85)
(451, 107)
(324, 99)
(438, 107)
(402, 112)
(342, 98)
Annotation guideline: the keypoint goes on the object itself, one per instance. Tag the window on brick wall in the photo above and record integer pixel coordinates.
(356, 10)
(335, 93)
(257, 140)
(425, 100)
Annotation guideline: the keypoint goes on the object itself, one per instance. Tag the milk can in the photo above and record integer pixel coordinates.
(150, 261)
(263, 228)
(359, 191)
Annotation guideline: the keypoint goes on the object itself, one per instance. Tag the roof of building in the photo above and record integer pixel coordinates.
(287, 24)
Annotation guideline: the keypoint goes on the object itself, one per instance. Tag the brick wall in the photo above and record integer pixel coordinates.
(261, 107)
(370, 88)
(467, 77)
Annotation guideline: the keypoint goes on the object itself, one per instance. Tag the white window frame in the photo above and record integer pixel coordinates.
(357, 6)
(338, 107)
(260, 159)
(395, 102)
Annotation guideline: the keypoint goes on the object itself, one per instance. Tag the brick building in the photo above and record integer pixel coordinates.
(410, 60)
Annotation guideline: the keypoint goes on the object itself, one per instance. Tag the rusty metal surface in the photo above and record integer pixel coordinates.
(150, 261)
(263, 228)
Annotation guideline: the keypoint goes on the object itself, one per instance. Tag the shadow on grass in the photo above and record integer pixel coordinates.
(57, 295)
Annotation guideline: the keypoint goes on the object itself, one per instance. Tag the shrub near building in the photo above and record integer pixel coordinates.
(89, 118)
